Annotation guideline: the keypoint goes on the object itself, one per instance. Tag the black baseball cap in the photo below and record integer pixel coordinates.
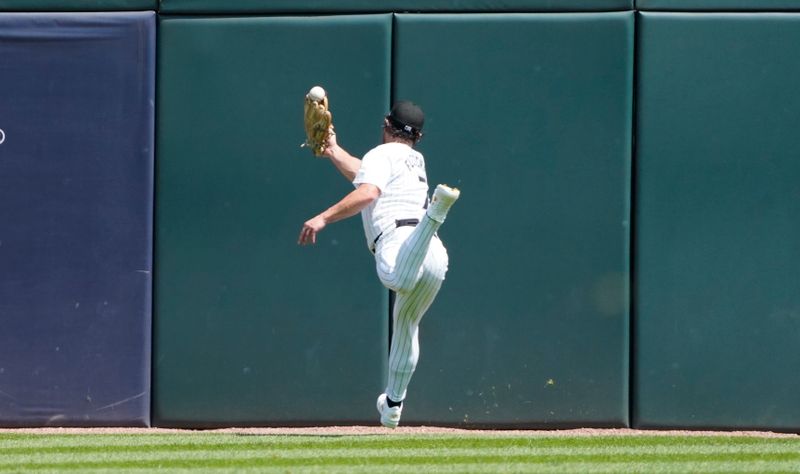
(407, 117)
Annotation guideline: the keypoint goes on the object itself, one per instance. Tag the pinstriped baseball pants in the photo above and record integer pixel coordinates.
(411, 261)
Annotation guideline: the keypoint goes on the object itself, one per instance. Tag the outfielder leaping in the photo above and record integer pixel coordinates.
(400, 226)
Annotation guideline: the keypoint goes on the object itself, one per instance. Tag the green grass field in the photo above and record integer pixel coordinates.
(215, 452)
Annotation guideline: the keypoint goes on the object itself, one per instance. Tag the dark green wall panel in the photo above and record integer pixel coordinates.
(530, 115)
(718, 221)
(718, 5)
(76, 5)
(249, 327)
(339, 6)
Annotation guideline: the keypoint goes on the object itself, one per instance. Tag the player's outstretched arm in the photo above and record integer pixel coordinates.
(346, 163)
(349, 206)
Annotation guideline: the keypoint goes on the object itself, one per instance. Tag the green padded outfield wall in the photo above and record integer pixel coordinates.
(718, 5)
(251, 328)
(530, 115)
(339, 6)
(76, 5)
(717, 222)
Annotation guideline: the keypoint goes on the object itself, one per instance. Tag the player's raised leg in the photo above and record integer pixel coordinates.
(443, 198)
(406, 272)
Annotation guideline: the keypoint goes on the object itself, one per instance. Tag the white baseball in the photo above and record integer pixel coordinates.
(316, 93)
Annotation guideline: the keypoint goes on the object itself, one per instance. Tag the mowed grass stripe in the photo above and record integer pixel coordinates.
(394, 453)
(500, 468)
(92, 453)
(179, 441)
(107, 454)
(588, 468)
(389, 458)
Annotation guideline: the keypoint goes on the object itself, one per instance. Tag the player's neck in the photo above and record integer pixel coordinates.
(392, 139)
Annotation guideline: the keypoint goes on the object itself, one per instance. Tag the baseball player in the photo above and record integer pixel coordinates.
(400, 225)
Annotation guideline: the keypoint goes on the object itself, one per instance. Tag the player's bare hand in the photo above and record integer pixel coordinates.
(308, 235)
(330, 145)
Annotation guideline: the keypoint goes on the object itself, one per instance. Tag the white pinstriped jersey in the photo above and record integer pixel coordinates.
(399, 172)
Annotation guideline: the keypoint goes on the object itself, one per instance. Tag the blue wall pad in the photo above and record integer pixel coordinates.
(76, 5)
(377, 6)
(76, 178)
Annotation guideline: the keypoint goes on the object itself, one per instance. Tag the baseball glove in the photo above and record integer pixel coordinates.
(318, 122)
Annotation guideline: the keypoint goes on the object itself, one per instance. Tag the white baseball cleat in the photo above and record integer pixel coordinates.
(443, 197)
(390, 416)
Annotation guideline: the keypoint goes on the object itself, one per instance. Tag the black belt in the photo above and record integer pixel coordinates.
(397, 223)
